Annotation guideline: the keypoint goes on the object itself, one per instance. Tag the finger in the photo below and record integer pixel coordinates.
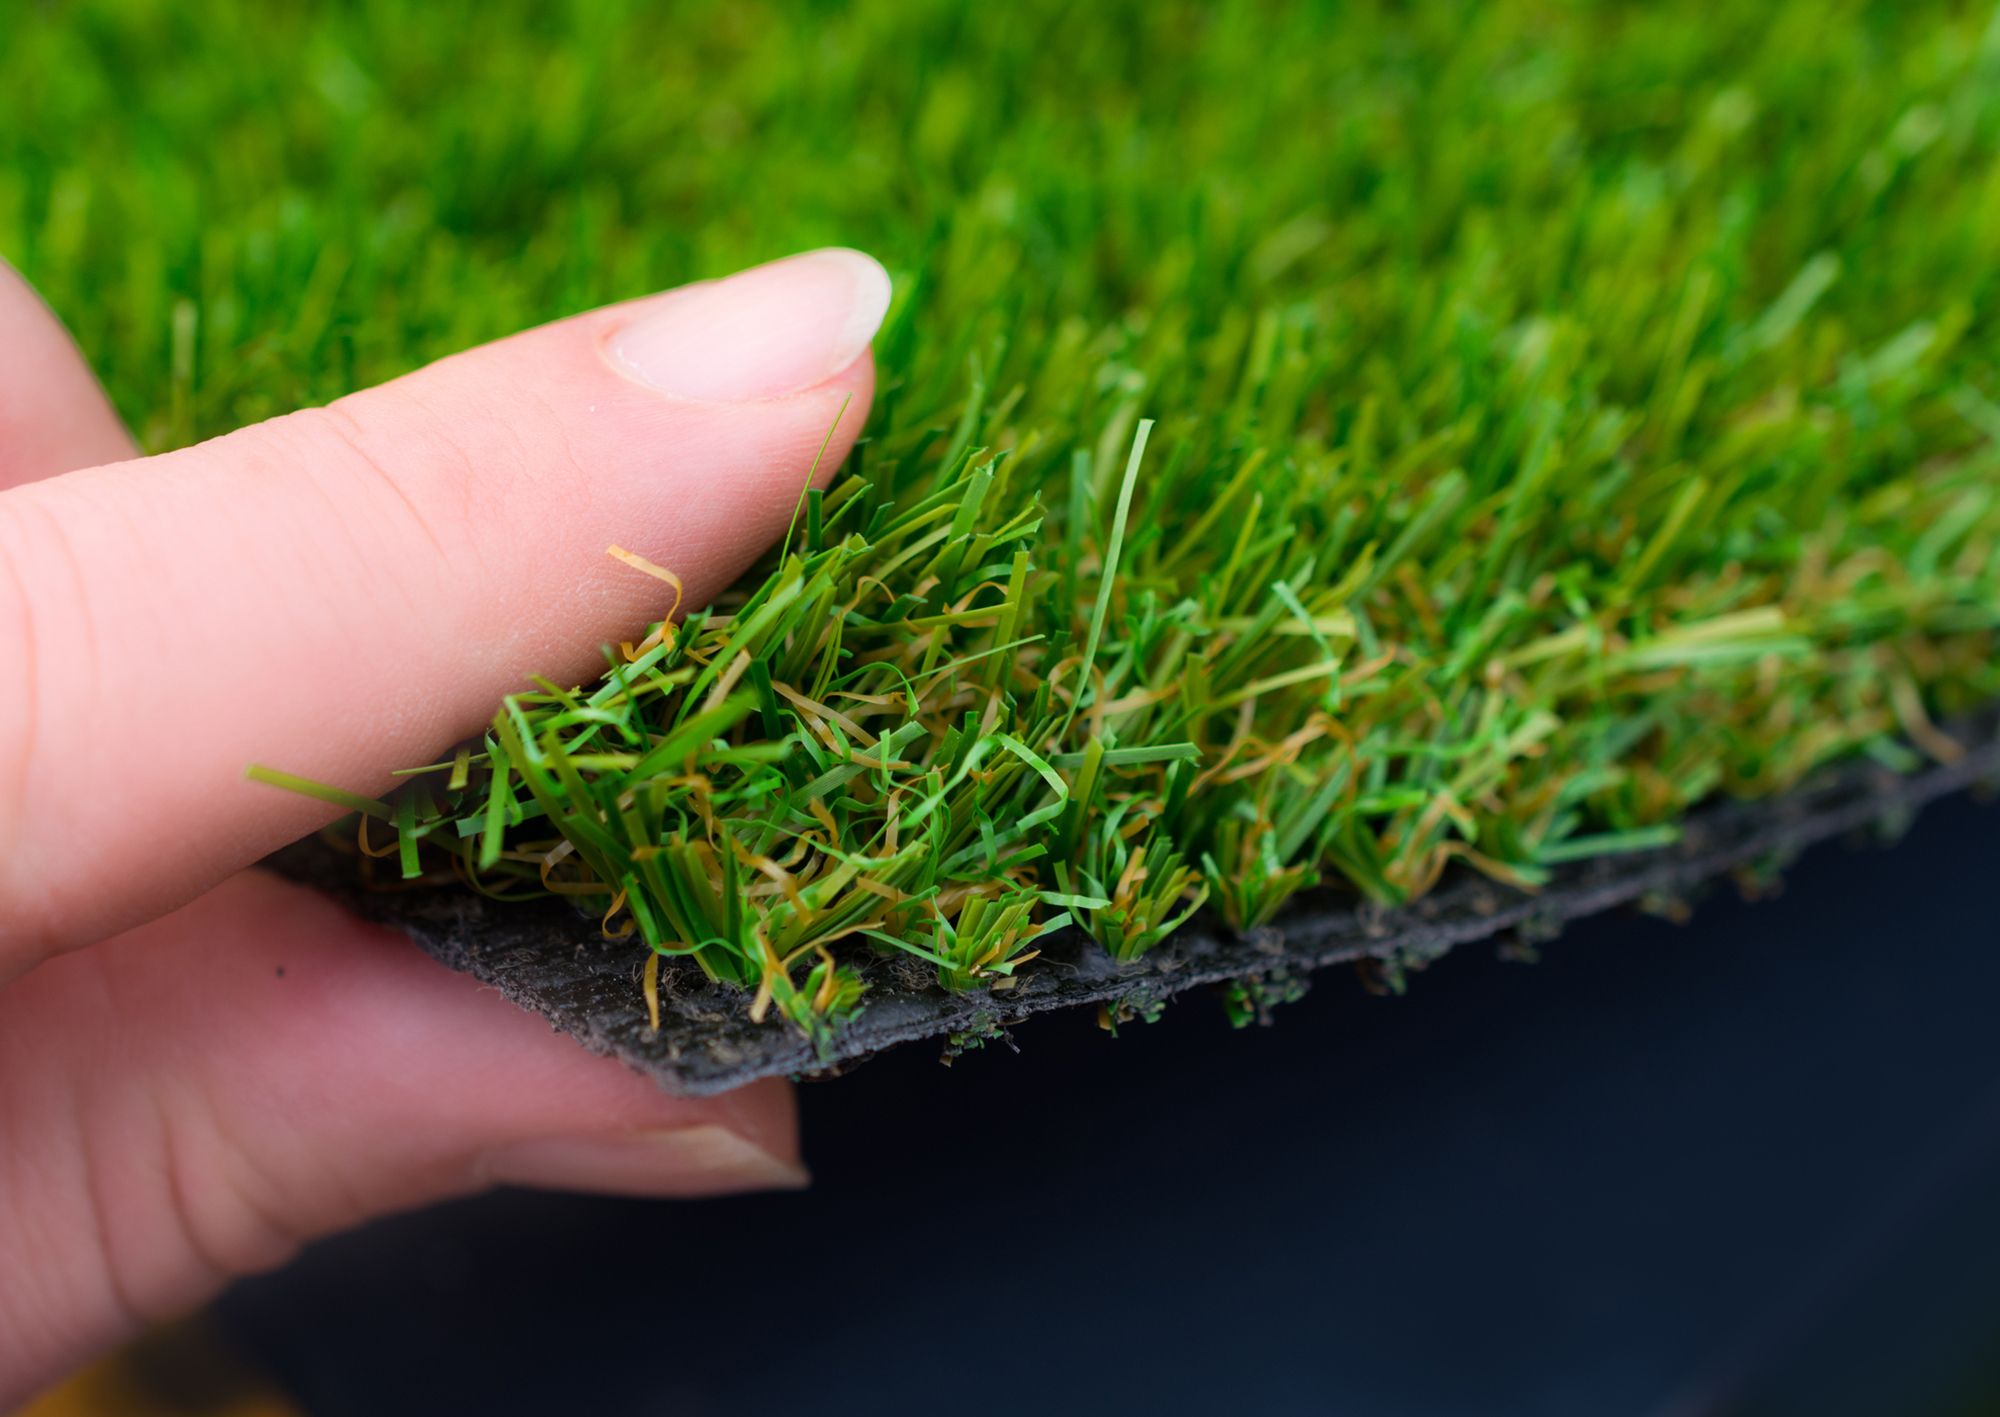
(348, 590)
(195, 1100)
(53, 416)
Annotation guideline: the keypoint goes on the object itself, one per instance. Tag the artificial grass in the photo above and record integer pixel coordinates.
(550, 960)
(1559, 415)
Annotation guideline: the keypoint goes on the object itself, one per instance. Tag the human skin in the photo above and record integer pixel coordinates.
(202, 1067)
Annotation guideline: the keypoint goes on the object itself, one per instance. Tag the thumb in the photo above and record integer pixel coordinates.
(194, 1100)
(348, 590)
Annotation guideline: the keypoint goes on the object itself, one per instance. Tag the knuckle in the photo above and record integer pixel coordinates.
(176, 1210)
(226, 1212)
(461, 480)
(44, 610)
(413, 476)
(19, 697)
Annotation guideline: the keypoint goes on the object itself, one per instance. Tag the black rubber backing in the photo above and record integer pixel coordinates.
(547, 958)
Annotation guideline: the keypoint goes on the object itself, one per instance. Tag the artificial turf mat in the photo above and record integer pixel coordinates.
(553, 961)
(1564, 417)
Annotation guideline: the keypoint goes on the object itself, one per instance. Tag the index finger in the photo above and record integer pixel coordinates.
(348, 590)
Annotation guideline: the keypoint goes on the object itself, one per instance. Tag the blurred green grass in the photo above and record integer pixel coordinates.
(242, 207)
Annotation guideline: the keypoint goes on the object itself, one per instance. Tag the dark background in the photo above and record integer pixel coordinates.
(1746, 1165)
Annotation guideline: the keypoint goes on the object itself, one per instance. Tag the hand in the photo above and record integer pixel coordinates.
(338, 592)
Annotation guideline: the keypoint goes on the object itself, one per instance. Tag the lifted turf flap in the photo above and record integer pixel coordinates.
(548, 958)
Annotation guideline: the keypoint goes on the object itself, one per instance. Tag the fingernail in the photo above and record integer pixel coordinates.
(759, 334)
(686, 1161)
